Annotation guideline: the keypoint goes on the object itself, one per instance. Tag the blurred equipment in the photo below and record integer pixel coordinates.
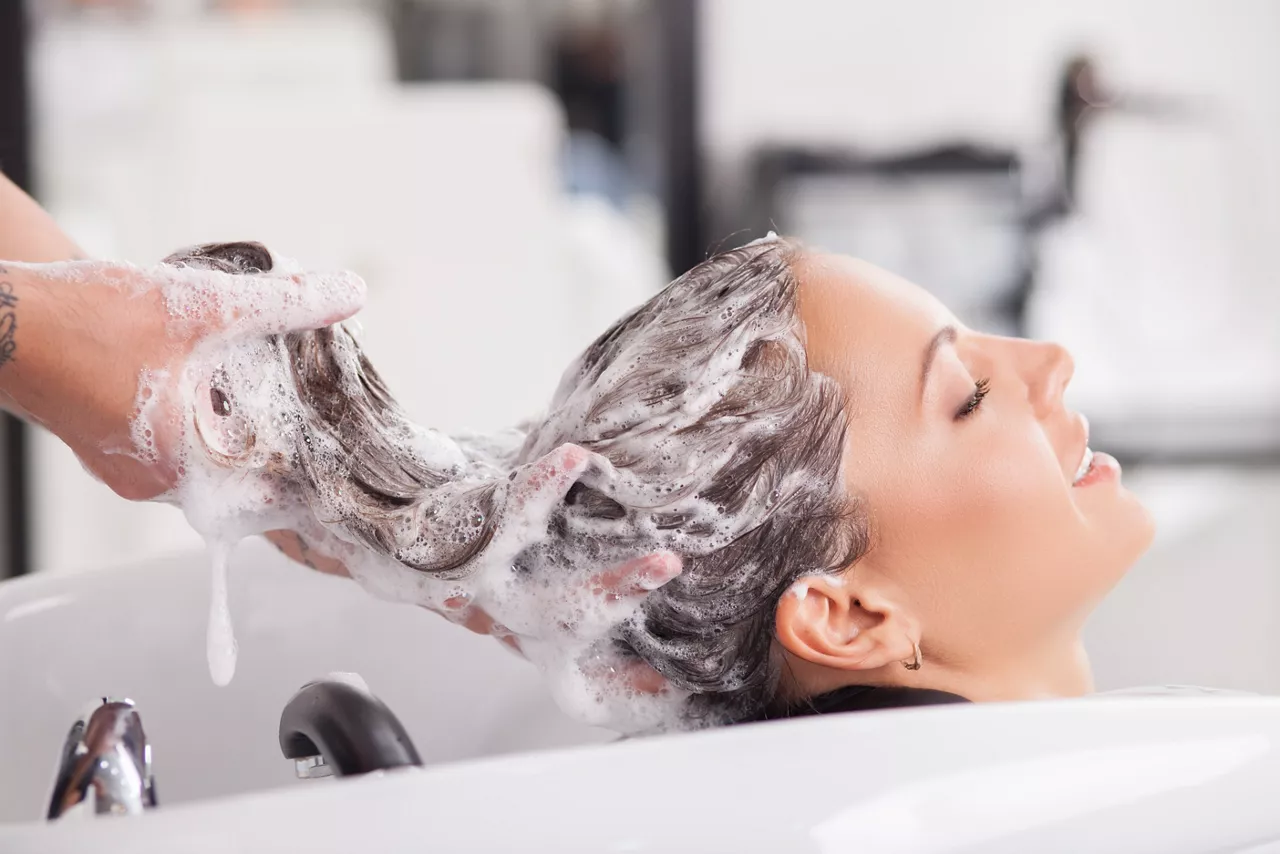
(952, 218)
(960, 219)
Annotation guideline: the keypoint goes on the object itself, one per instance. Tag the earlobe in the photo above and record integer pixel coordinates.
(826, 622)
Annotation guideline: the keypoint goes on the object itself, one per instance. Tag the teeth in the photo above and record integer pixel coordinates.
(1084, 466)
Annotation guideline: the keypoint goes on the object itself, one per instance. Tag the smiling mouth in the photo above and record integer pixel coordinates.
(1094, 467)
(1085, 465)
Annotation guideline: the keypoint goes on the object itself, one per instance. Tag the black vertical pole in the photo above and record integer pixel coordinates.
(15, 162)
(682, 174)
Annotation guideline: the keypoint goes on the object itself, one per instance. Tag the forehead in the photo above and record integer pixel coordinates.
(865, 327)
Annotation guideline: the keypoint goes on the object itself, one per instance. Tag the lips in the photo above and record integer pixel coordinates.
(1094, 467)
(1085, 465)
(1086, 455)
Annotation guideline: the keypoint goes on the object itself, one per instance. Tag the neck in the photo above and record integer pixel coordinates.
(1058, 670)
(1062, 670)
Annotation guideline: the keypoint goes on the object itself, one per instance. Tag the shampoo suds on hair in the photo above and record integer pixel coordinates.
(296, 432)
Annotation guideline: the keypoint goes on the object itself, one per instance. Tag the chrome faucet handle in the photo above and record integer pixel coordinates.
(105, 764)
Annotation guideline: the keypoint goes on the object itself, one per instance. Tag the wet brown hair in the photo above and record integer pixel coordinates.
(765, 452)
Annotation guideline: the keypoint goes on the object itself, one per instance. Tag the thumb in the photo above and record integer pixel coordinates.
(256, 305)
(260, 305)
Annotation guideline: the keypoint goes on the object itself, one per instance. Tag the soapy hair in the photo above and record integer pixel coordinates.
(722, 445)
(764, 449)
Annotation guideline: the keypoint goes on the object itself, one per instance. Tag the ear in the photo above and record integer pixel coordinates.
(834, 623)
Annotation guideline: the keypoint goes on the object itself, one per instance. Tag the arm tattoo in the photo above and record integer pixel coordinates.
(8, 321)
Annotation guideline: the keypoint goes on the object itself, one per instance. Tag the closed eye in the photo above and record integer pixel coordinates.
(971, 405)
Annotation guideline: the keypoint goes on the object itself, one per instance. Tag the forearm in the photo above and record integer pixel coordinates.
(27, 232)
(27, 342)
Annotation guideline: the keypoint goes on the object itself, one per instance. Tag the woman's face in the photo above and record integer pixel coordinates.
(967, 460)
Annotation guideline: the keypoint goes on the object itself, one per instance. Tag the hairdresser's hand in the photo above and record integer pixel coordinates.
(632, 580)
(85, 344)
(629, 582)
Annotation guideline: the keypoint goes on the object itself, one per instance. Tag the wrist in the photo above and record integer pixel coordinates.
(71, 367)
(23, 365)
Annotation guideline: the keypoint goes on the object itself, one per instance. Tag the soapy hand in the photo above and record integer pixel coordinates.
(628, 583)
(535, 490)
(632, 580)
(126, 333)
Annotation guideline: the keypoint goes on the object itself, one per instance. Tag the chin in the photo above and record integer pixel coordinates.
(1121, 530)
(1129, 530)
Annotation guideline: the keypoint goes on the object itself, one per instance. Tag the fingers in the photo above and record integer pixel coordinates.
(627, 585)
(266, 306)
(458, 611)
(632, 674)
(477, 620)
(298, 549)
(638, 577)
(252, 305)
(513, 642)
(542, 484)
(642, 678)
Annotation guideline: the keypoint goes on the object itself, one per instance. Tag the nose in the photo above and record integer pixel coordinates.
(1047, 369)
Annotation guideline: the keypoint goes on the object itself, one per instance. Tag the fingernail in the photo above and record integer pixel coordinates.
(461, 600)
(658, 569)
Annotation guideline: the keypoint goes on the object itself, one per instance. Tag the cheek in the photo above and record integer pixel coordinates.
(984, 494)
(987, 527)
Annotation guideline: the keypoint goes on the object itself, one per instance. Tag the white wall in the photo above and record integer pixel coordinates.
(1202, 607)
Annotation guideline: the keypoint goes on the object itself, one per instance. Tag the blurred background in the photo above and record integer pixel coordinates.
(510, 176)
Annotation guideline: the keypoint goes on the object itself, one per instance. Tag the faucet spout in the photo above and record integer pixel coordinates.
(333, 726)
(105, 764)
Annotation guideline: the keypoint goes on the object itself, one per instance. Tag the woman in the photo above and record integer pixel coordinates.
(902, 491)
(874, 505)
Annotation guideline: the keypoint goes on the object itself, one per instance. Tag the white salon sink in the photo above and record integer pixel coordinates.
(139, 632)
(1106, 774)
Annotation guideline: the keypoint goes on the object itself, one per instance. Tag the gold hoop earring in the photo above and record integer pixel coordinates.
(916, 660)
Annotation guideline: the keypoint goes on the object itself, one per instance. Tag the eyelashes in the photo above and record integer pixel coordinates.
(970, 406)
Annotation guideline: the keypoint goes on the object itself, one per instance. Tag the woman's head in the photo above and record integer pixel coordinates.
(847, 471)
(721, 435)
(985, 549)
(930, 495)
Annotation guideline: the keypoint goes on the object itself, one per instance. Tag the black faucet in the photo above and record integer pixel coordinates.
(331, 726)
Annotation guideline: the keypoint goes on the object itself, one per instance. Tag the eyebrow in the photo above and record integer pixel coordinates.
(945, 335)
